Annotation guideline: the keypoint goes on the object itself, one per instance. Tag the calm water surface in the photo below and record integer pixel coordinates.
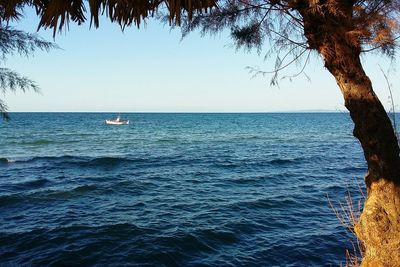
(175, 189)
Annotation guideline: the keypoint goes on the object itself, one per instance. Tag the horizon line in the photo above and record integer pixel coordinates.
(282, 111)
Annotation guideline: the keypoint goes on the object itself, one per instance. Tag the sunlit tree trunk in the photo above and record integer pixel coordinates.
(379, 225)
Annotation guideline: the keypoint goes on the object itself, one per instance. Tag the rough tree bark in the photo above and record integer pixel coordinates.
(379, 224)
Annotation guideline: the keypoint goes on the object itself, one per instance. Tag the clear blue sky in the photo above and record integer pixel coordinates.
(152, 70)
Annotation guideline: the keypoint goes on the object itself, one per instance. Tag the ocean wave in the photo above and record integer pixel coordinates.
(161, 160)
(352, 169)
(260, 162)
(43, 195)
(117, 161)
(103, 161)
(251, 179)
(66, 193)
(4, 161)
(265, 203)
(168, 140)
(6, 200)
(85, 188)
(79, 160)
(35, 159)
(249, 137)
(33, 183)
(83, 161)
(283, 161)
(38, 142)
(222, 237)
(122, 242)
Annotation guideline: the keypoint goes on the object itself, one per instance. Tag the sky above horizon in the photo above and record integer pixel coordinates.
(152, 70)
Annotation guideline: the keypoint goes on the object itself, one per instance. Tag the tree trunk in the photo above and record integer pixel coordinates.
(379, 225)
(329, 29)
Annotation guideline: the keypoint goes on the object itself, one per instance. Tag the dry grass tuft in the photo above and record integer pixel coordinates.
(348, 213)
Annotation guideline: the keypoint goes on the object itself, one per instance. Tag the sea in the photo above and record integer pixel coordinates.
(177, 189)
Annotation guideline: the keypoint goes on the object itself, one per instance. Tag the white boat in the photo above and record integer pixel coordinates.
(117, 121)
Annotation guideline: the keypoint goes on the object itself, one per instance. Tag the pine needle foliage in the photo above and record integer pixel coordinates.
(293, 29)
(56, 14)
(13, 41)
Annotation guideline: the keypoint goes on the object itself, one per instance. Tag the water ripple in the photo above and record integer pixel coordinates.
(175, 189)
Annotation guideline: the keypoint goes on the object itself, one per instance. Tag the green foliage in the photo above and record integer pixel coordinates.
(13, 42)
(11, 81)
(248, 36)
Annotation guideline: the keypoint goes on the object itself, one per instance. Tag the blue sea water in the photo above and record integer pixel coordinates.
(176, 189)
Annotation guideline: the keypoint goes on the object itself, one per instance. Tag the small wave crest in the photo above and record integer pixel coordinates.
(36, 191)
(71, 192)
(33, 183)
(104, 161)
(6, 161)
(81, 161)
(38, 142)
(35, 159)
(239, 163)
(84, 188)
